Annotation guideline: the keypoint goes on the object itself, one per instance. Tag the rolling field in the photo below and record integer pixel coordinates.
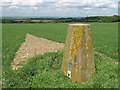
(40, 71)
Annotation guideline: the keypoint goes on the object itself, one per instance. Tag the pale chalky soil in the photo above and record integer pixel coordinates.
(34, 46)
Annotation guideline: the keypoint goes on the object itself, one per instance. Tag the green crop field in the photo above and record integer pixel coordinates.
(40, 71)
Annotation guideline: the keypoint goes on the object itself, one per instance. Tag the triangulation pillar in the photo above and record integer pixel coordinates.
(78, 59)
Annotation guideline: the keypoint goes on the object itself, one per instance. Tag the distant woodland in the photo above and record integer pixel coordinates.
(114, 18)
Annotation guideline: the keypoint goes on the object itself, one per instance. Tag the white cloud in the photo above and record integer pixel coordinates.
(65, 7)
(26, 2)
(13, 7)
(93, 3)
(99, 4)
(88, 8)
(104, 9)
(114, 5)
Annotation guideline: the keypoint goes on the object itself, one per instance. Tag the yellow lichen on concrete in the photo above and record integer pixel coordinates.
(77, 34)
(77, 30)
(72, 52)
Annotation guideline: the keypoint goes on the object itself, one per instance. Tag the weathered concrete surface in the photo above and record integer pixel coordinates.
(78, 59)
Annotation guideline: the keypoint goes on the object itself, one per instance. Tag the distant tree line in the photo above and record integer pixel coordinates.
(114, 18)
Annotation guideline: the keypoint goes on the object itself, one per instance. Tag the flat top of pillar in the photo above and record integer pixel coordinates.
(79, 24)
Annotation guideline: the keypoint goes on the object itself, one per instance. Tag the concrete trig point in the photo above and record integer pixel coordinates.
(78, 59)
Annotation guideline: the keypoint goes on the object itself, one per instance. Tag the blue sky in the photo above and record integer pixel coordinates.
(61, 8)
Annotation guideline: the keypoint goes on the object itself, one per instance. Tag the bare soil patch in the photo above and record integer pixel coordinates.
(34, 46)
